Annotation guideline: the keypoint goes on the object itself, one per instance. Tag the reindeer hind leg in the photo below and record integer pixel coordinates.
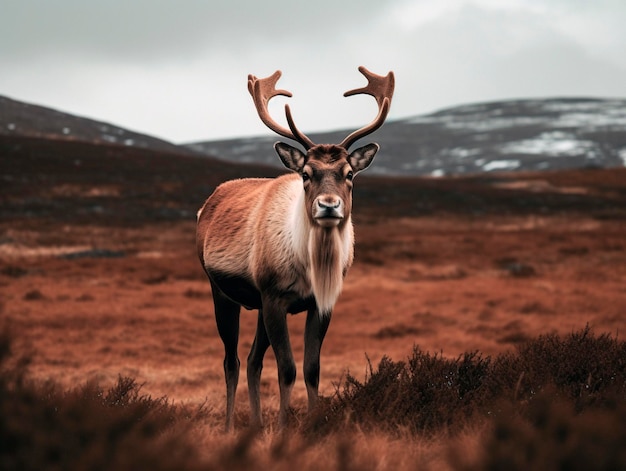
(255, 366)
(227, 318)
(275, 320)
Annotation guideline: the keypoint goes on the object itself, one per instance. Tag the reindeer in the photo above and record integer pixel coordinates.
(284, 245)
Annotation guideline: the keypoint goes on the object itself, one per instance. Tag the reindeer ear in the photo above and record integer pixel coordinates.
(362, 157)
(291, 157)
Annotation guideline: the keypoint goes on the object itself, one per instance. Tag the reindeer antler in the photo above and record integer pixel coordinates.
(262, 91)
(380, 88)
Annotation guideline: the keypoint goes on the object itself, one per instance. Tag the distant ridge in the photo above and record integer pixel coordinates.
(534, 134)
(21, 119)
(513, 135)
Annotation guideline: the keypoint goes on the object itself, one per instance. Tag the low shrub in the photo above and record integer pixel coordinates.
(43, 427)
(557, 402)
(428, 393)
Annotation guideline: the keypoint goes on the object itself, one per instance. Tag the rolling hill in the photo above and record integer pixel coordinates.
(101, 281)
(526, 135)
(468, 292)
(19, 119)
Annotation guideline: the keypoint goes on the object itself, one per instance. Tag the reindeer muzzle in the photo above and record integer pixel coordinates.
(328, 211)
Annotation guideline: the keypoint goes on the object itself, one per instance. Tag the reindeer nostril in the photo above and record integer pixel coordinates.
(328, 204)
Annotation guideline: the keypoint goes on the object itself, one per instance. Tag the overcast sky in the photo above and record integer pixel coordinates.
(178, 69)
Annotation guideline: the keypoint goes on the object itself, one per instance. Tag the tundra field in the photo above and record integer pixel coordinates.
(480, 327)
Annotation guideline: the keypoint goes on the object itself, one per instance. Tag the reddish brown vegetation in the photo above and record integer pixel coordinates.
(99, 278)
(536, 413)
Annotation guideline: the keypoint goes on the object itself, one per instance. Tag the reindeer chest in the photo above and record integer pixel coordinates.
(307, 266)
(282, 269)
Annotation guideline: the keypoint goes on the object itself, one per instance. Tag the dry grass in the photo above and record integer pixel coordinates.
(556, 403)
(99, 277)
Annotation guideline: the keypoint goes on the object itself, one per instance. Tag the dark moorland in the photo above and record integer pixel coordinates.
(480, 327)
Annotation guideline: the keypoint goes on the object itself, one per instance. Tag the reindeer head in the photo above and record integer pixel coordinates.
(327, 169)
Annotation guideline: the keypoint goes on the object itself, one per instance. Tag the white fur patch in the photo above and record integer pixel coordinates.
(325, 253)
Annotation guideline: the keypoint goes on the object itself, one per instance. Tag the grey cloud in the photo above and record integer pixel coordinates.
(167, 30)
(478, 54)
(178, 69)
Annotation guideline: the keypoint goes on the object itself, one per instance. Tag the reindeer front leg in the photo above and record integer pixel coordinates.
(315, 331)
(275, 319)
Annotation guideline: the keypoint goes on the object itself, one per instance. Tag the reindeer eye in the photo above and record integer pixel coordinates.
(305, 177)
(350, 175)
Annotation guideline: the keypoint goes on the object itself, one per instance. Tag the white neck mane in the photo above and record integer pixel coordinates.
(326, 253)
(326, 259)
